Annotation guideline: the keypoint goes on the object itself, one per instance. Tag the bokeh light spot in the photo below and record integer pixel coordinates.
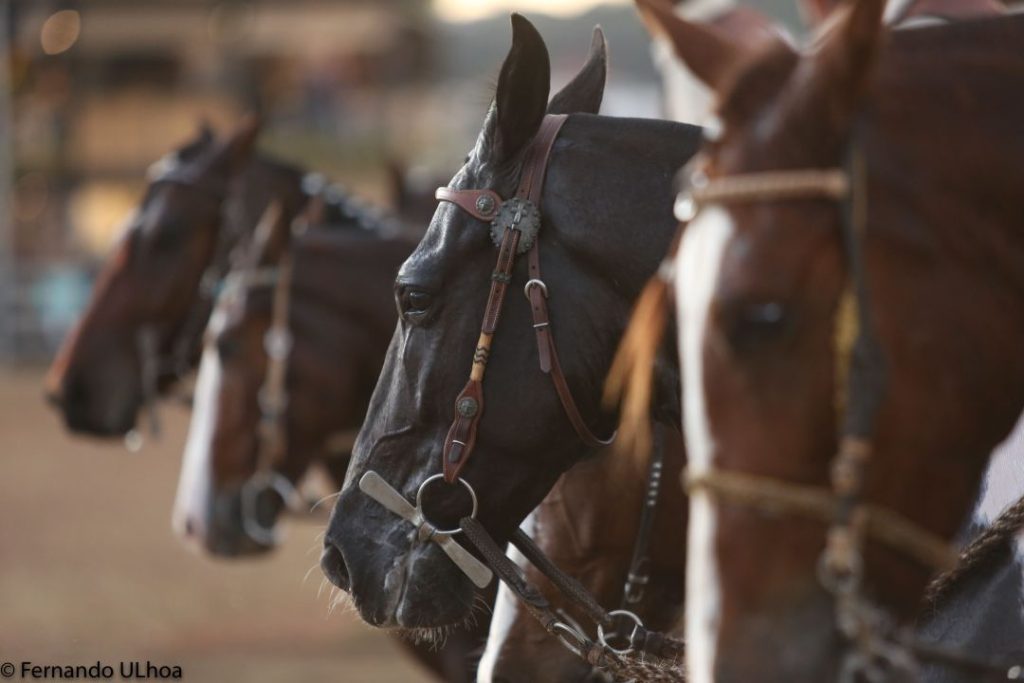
(60, 31)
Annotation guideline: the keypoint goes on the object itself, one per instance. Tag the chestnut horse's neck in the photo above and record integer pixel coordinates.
(944, 125)
(944, 148)
(944, 242)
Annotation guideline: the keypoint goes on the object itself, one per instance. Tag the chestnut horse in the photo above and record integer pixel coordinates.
(602, 235)
(932, 234)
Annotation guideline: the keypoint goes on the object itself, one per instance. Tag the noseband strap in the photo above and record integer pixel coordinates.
(518, 220)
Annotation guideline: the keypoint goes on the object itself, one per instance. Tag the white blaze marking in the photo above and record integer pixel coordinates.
(194, 499)
(1004, 483)
(506, 612)
(697, 268)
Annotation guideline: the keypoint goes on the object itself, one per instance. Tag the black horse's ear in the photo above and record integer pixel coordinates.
(523, 86)
(585, 91)
(237, 149)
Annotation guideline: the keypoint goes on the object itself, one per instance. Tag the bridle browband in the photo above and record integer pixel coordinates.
(515, 224)
(861, 379)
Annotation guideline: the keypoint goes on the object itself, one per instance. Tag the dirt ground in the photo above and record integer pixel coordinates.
(89, 568)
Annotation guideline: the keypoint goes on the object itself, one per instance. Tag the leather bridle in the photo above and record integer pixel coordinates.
(877, 647)
(515, 224)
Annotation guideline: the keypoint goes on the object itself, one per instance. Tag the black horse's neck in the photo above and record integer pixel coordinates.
(608, 212)
(266, 179)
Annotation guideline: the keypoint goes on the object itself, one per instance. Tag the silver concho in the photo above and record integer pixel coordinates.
(485, 204)
(520, 214)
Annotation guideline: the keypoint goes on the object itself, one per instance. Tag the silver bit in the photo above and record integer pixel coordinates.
(373, 485)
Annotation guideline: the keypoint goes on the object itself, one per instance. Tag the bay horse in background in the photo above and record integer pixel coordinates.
(602, 236)
(291, 356)
(142, 329)
(823, 213)
(590, 525)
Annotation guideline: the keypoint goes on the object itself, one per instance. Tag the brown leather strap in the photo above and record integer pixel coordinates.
(548, 352)
(531, 182)
(461, 438)
(480, 204)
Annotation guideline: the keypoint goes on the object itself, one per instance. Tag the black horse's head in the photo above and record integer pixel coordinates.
(607, 220)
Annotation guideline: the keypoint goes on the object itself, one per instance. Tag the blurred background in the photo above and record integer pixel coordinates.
(92, 92)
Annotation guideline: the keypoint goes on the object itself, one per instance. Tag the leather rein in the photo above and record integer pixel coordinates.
(877, 647)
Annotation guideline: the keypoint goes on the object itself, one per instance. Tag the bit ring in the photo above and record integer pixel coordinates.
(419, 505)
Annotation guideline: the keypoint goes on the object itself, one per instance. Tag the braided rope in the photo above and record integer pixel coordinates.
(980, 550)
(829, 183)
(634, 668)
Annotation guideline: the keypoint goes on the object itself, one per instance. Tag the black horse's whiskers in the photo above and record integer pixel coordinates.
(314, 506)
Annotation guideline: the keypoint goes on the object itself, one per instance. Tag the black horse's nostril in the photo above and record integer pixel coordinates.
(333, 566)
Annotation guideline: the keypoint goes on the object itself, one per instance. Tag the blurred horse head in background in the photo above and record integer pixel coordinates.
(142, 328)
(291, 356)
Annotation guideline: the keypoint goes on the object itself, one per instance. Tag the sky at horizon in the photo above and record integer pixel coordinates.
(469, 10)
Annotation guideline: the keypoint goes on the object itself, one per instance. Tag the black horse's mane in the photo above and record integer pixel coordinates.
(343, 209)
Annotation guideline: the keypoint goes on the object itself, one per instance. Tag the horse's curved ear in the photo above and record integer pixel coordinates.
(270, 238)
(708, 52)
(522, 95)
(586, 90)
(845, 57)
(237, 148)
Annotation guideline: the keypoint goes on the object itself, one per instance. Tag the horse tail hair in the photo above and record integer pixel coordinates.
(631, 377)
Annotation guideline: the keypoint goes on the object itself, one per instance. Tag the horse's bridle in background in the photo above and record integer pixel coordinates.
(877, 647)
(187, 337)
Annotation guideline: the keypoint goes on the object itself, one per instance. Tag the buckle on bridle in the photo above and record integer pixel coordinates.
(630, 639)
(534, 282)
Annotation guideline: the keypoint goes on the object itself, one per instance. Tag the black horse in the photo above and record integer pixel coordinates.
(607, 221)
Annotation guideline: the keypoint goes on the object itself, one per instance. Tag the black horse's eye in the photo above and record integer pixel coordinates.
(413, 303)
(748, 326)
